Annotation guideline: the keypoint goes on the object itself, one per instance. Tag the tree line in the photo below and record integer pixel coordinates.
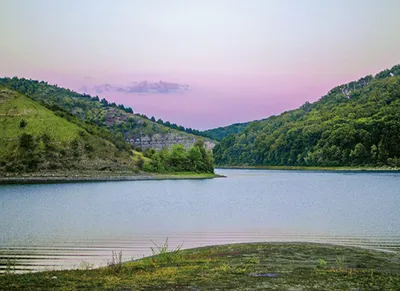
(177, 159)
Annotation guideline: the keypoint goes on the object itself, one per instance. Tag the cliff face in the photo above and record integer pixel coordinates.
(159, 141)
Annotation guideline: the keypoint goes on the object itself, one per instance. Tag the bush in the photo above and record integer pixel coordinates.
(22, 124)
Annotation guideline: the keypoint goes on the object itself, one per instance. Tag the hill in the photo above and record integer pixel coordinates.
(138, 129)
(38, 139)
(355, 124)
(221, 132)
(34, 138)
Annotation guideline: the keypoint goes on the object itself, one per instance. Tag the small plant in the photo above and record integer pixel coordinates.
(322, 263)
(116, 262)
(162, 253)
(240, 269)
(253, 261)
(340, 262)
(159, 250)
(225, 267)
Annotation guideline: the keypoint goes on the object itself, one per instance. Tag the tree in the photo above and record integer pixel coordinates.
(22, 124)
(195, 157)
(359, 153)
(27, 142)
(178, 159)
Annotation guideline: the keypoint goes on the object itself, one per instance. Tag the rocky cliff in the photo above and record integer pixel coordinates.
(159, 141)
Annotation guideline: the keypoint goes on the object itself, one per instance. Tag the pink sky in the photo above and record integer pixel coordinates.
(243, 60)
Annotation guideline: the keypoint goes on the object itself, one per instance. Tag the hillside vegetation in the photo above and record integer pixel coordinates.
(34, 138)
(221, 132)
(118, 119)
(196, 159)
(356, 124)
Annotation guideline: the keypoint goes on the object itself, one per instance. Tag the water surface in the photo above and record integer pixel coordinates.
(54, 226)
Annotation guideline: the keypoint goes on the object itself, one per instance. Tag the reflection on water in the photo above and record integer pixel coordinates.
(74, 253)
(61, 226)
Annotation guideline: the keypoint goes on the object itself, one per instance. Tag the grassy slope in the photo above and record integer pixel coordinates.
(285, 266)
(15, 107)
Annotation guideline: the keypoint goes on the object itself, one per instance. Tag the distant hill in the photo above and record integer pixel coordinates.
(221, 132)
(355, 124)
(35, 138)
(135, 128)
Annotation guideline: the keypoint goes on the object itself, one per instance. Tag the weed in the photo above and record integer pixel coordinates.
(225, 267)
(253, 261)
(162, 254)
(240, 270)
(322, 264)
(116, 262)
(159, 250)
(340, 261)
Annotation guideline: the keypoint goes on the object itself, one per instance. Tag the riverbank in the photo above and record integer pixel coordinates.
(261, 266)
(93, 176)
(304, 168)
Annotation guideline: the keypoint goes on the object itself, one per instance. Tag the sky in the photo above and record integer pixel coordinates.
(242, 59)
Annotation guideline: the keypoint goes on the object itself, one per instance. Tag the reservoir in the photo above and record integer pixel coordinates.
(61, 226)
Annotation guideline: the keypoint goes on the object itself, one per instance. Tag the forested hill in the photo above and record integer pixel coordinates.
(136, 128)
(356, 124)
(220, 132)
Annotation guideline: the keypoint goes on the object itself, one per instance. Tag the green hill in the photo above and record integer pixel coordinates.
(34, 138)
(120, 120)
(356, 124)
(221, 132)
(38, 139)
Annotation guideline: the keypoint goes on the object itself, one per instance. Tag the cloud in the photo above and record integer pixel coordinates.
(160, 87)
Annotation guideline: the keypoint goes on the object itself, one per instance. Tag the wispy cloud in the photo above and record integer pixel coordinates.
(141, 87)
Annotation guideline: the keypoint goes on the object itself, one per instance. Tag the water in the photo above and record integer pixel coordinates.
(59, 226)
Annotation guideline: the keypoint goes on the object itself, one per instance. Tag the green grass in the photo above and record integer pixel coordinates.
(15, 107)
(69, 146)
(256, 266)
(137, 155)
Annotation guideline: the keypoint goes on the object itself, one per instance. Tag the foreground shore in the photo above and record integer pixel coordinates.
(253, 266)
(74, 177)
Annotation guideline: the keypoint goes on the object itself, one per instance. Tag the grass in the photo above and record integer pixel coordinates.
(255, 266)
(39, 120)
(16, 109)
(137, 155)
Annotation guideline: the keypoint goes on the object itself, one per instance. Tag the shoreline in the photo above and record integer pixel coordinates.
(305, 168)
(240, 266)
(47, 178)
